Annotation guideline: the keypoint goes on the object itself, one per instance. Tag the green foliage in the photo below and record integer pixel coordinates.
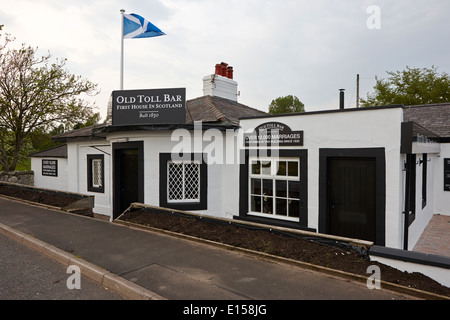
(412, 86)
(35, 96)
(288, 104)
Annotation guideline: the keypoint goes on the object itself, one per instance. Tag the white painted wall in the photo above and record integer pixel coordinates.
(369, 128)
(351, 129)
(223, 191)
(102, 200)
(423, 215)
(436, 273)
(441, 197)
(77, 152)
(55, 183)
(216, 85)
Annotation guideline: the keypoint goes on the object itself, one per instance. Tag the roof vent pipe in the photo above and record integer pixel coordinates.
(341, 99)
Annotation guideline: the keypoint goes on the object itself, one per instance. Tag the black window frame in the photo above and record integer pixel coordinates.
(410, 188)
(164, 158)
(424, 179)
(90, 185)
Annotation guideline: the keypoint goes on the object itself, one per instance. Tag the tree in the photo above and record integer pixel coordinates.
(90, 121)
(36, 94)
(288, 104)
(412, 86)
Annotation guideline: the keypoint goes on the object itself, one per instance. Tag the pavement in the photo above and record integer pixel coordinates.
(140, 264)
(435, 239)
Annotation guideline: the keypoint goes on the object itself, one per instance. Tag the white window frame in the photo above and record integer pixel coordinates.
(183, 181)
(272, 175)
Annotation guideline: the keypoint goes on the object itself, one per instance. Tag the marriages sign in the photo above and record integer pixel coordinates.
(49, 167)
(149, 106)
(273, 134)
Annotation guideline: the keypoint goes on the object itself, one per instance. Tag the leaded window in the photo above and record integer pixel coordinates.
(183, 179)
(96, 173)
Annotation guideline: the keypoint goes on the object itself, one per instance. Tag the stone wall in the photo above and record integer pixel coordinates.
(20, 177)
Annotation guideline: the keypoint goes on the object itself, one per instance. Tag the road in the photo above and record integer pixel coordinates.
(28, 275)
(174, 268)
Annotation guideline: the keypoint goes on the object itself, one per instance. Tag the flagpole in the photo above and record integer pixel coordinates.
(121, 52)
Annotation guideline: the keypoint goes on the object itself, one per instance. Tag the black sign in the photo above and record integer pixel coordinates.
(149, 106)
(50, 167)
(273, 134)
(447, 174)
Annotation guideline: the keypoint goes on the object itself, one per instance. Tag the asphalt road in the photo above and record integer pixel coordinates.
(28, 275)
(174, 268)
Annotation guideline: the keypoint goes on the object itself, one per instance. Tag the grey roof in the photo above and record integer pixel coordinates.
(55, 152)
(434, 117)
(213, 111)
(86, 132)
(218, 110)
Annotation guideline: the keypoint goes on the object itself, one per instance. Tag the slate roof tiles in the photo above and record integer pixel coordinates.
(434, 117)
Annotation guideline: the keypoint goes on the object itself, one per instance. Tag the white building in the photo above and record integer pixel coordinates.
(349, 172)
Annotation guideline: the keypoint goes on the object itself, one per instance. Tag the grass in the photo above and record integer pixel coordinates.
(22, 166)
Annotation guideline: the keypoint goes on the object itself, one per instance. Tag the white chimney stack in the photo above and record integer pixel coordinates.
(221, 83)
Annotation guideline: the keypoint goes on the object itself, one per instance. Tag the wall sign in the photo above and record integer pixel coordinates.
(447, 174)
(273, 134)
(149, 106)
(49, 167)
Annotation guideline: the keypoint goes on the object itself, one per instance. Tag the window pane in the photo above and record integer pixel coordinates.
(268, 205)
(183, 181)
(294, 189)
(281, 207)
(267, 187)
(192, 181)
(281, 188)
(255, 204)
(294, 208)
(175, 181)
(281, 168)
(265, 167)
(255, 187)
(256, 167)
(293, 169)
(97, 173)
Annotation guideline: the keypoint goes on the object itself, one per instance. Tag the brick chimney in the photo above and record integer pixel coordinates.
(221, 83)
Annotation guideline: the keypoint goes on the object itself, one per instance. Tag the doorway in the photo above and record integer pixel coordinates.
(128, 175)
(352, 201)
(352, 193)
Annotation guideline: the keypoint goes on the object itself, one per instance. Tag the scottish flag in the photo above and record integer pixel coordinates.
(134, 26)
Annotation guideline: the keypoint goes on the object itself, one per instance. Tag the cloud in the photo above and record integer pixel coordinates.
(308, 49)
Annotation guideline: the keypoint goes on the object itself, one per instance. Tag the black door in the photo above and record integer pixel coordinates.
(352, 197)
(128, 176)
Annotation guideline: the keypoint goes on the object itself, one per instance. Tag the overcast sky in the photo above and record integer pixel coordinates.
(309, 49)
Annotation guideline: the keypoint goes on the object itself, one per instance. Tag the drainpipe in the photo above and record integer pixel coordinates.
(407, 200)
